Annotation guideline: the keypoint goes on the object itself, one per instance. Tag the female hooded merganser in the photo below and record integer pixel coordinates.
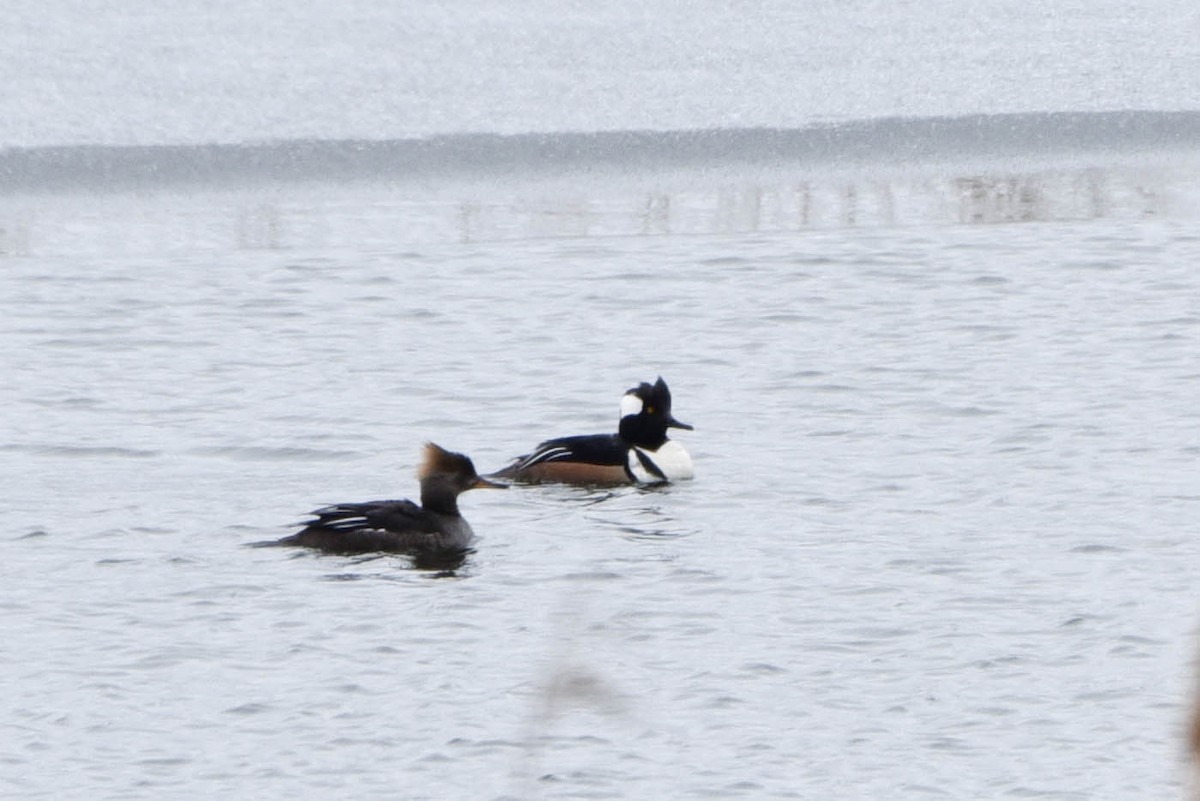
(434, 526)
(639, 452)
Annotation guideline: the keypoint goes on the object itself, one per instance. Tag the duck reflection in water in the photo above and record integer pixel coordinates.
(434, 532)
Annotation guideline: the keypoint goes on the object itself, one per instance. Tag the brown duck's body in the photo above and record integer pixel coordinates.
(401, 525)
(396, 526)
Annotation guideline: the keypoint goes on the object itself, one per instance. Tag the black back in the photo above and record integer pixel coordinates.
(605, 449)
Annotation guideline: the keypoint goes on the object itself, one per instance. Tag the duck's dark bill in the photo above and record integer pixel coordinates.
(673, 423)
(483, 483)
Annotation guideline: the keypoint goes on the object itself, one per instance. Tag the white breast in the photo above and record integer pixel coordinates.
(671, 459)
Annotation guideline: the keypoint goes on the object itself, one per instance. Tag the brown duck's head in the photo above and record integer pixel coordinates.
(451, 470)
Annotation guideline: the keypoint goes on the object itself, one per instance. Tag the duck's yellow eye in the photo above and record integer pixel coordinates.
(649, 410)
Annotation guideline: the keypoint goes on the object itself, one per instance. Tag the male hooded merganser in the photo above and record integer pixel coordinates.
(639, 452)
(434, 526)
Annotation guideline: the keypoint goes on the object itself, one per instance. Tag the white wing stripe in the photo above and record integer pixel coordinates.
(548, 455)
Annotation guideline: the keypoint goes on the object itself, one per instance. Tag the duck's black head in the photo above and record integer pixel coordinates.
(444, 475)
(646, 415)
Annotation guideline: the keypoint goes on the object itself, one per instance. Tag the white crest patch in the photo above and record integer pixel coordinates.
(631, 404)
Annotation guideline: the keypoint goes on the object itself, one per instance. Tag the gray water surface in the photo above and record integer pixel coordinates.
(941, 539)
